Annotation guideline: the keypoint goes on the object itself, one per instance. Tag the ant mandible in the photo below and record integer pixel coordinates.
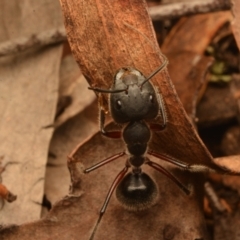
(134, 100)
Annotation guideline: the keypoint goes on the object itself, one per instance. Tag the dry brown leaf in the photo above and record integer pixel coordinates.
(174, 216)
(71, 133)
(236, 21)
(74, 87)
(212, 114)
(211, 22)
(230, 141)
(226, 226)
(229, 163)
(28, 90)
(184, 47)
(129, 40)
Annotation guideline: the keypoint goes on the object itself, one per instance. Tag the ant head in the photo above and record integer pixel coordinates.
(137, 191)
(137, 101)
(132, 96)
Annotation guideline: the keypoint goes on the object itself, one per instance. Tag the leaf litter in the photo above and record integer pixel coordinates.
(29, 83)
(74, 216)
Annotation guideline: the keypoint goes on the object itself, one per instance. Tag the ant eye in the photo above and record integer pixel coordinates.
(151, 98)
(118, 104)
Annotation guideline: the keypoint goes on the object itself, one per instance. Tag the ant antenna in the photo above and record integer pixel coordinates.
(165, 61)
(108, 90)
(159, 69)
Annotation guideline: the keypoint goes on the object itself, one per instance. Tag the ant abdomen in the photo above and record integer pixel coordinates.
(137, 191)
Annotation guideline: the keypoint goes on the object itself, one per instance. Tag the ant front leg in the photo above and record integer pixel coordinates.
(102, 112)
(162, 112)
(162, 109)
(111, 134)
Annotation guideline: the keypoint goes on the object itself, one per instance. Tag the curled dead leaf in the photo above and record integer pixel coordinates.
(185, 46)
(129, 41)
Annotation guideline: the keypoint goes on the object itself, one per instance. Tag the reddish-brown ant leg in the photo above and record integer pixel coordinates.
(157, 127)
(112, 134)
(169, 159)
(168, 174)
(162, 112)
(116, 181)
(103, 162)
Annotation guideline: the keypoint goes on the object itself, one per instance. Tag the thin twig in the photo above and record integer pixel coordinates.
(162, 12)
(175, 10)
(36, 40)
(213, 198)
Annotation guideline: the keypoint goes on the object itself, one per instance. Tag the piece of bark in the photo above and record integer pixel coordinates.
(184, 8)
(42, 39)
(28, 89)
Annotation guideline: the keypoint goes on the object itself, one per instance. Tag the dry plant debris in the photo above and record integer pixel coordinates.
(28, 90)
(128, 40)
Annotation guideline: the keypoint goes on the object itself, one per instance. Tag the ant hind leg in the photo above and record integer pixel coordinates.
(115, 183)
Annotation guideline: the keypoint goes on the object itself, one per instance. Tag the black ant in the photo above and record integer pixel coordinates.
(133, 100)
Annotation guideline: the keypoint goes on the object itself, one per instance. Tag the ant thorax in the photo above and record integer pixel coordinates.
(136, 135)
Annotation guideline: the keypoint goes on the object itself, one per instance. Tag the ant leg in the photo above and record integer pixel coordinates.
(112, 134)
(103, 162)
(169, 159)
(157, 127)
(162, 112)
(169, 175)
(116, 181)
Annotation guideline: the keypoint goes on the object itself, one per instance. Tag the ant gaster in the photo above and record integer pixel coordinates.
(134, 100)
